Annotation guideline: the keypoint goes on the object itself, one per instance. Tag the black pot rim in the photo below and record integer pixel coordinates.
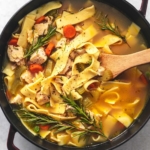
(119, 140)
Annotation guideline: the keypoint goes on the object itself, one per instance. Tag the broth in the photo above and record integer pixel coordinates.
(54, 74)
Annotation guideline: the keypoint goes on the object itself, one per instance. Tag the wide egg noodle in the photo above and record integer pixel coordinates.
(75, 140)
(41, 11)
(63, 138)
(27, 126)
(109, 39)
(88, 83)
(27, 25)
(111, 96)
(84, 59)
(80, 78)
(98, 138)
(57, 54)
(8, 70)
(109, 123)
(75, 18)
(133, 30)
(9, 81)
(33, 106)
(86, 35)
(44, 133)
(30, 90)
(26, 91)
(106, 41)
(122, 117)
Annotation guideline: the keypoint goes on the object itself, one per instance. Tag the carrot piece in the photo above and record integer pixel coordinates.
(44, 127)
(13, 41)
(143, 79)
(39, 20)
(49, 48)
(34, 68)
(69, 31)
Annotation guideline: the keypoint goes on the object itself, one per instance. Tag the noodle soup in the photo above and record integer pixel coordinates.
(54, 76)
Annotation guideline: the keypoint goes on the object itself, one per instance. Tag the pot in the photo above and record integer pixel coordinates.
(125, 8)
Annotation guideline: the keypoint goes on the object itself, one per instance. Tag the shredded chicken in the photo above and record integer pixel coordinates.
(16, 54)
(78, 28)
(38, 57)
(17, 99)
(68, 67)
(42, 28)
(76, 53)
(100, 71)
(26, 76)
(42, 98)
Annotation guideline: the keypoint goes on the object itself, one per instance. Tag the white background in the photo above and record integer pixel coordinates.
(139, 142)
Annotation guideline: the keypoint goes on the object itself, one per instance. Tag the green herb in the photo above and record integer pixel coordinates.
(43, 40)
(105, 24)
(38, 119)
(62, 127)
(84, 134)
(47, 104)
(89, 62)
(34, 118)
(81, 134)
(85, 117)
(53, 13)
(147, 74)
(36, 129)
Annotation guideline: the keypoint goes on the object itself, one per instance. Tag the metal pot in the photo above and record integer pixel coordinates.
(16, 126)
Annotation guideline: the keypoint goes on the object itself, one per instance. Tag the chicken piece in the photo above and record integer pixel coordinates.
(38, 57)
(26, 76)
(16, 54)
(17, 99)
(78, 28)
(42, 28)
(42, 98)
(68, 67)
(100, 71)
(76, 53)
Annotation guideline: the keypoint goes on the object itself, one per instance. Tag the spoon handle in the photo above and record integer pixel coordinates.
(137, 58)
(119, 63)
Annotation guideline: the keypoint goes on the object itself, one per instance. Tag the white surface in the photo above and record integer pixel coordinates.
(139, 142)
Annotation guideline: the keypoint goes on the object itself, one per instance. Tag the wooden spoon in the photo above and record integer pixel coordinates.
(119, 63)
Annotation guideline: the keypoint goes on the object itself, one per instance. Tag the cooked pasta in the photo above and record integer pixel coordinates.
(55, 77)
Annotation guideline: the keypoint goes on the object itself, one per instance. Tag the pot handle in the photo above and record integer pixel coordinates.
(10, 144)
(143, 8)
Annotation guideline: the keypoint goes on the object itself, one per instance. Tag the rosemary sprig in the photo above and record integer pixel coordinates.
(62, 127)
(34, 118)
(40, 42)
(39, 119)
(84, 116)
(105, 24)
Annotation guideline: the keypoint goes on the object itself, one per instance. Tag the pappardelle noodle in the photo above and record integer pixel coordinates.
(54, 75)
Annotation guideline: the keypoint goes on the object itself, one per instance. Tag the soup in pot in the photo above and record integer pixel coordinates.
(53, 73)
